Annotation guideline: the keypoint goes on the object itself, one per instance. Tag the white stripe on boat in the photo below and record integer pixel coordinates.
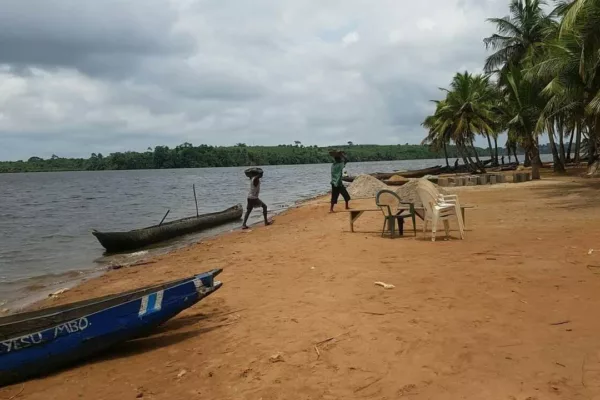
(151, 303)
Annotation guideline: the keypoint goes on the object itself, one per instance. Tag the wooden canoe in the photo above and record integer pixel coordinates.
(38, 342)
(124, 241)
(395, 183)
(417, 173)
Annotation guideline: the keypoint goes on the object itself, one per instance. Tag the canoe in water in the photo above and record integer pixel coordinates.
(124, 241)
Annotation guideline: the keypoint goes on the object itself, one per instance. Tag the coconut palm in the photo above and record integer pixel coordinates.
(518, 35)
(524, 107)
(438, 136)
(464, 113)
(548, 81)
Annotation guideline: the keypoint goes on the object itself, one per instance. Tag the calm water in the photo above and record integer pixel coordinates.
(46, 218)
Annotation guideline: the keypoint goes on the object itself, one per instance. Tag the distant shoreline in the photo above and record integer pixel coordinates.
(203, 156)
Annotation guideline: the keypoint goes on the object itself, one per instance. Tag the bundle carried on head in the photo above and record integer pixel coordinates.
(335, 153)
(253, 171)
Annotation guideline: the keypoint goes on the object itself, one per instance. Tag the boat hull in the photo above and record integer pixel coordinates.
(57, 341)
(384, 176)
(115, 242)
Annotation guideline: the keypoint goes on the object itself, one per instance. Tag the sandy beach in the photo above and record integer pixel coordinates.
(509, 313)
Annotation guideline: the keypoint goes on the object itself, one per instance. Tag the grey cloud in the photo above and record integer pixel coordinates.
(88, 35)
(106, 75)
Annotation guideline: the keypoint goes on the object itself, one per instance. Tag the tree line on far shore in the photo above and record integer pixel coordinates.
(542, 77)
(188, 156)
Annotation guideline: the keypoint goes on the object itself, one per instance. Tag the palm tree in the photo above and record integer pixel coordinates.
(524, 110)
(518, 35)
(580, 21)
(438, 136)
(466, 112)
(470, 99)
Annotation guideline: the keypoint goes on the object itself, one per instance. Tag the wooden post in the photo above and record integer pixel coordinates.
(161, 221)
(195, 199)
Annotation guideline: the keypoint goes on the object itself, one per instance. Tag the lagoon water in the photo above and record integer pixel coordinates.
(46, 218)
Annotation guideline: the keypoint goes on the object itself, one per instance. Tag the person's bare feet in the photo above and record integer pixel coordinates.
(268, 223)
(244, 227)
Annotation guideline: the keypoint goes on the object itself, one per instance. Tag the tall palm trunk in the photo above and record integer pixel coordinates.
(514, 149)
(592, 145)
(496, 148)
(561, 144)
(578, 143)
(479, 163)
(490, 146)
(446, 153)
(536, 162)
(464, 152)
(558, 165)
(465, 160)
(569, 158)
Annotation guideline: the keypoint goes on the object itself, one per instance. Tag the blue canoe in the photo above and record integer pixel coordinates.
(38, 342)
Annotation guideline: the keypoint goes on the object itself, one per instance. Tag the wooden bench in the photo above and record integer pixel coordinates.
(356, 213)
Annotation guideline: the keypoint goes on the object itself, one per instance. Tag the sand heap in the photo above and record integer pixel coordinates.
(365, 186)
(398, 178)
(408, 191)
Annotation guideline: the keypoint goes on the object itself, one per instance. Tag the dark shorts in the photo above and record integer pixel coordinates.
(254, 203)
(336, 191)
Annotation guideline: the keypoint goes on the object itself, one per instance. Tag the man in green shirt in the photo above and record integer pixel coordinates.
(337, 187)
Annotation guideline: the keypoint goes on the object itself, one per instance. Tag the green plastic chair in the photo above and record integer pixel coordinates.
(390, 204)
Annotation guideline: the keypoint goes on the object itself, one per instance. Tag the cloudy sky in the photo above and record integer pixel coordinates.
(111, 75)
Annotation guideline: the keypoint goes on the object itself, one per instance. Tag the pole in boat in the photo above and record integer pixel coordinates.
(161, 221)
(195, 199)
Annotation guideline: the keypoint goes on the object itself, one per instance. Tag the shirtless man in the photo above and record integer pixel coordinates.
(254, 201)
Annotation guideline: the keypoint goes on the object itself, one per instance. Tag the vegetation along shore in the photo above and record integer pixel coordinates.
(189, 156)
(541, 77)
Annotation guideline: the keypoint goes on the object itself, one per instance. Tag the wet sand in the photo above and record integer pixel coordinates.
(508, 313)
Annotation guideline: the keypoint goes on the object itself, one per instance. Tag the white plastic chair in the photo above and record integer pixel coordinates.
(444, 198)
(436, 210)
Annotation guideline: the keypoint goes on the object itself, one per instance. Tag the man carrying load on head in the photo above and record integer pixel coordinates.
(337, 186)
(253, 200)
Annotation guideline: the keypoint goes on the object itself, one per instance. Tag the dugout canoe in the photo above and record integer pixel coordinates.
(115, 242)
(417, 173)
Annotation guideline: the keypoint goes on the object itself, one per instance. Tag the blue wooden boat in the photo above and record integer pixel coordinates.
(38, 342)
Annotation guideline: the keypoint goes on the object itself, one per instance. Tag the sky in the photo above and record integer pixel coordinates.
(101, 76)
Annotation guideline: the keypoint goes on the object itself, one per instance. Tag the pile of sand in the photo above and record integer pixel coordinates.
(398, 178)
(408, 191)
(365, 186)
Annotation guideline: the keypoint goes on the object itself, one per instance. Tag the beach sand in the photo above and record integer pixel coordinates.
(509, 313)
